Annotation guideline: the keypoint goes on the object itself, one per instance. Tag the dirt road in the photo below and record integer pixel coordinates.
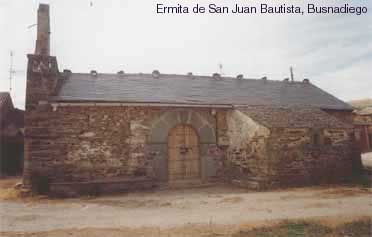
(177, 208)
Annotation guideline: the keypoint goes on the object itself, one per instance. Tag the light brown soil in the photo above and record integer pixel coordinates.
(9, 182)
(8, 191)
(195, 230)
(217, 211)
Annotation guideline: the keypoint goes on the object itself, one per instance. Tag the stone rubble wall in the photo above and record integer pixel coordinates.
(260, 157)
(297, 159)
(342, 115)
(87, 143)
(96, 143)
(246, 162)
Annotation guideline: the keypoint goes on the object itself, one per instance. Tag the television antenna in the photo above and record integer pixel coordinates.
(11, 71)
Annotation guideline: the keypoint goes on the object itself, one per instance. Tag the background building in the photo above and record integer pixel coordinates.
(11, 136)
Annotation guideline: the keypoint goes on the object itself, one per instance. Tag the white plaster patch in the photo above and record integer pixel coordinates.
(137, 125)
(88, 134)
(242, 129)
(86, 150)
(204, 121)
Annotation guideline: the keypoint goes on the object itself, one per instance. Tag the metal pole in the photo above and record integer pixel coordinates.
(11, 72)
(291, 70)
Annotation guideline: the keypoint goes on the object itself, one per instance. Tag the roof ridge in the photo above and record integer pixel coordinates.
(191, 77)
(175, 88)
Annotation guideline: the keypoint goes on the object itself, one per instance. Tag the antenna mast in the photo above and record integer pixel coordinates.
(291, 71)
(11, 71)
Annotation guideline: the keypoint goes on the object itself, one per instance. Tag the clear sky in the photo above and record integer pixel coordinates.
(333, 51)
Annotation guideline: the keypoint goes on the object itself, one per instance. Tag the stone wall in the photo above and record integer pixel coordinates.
(93, 145)
(362, 119)
(246, 162)
(89, 143)
(318, 149)
(300, 157)
(343, 115)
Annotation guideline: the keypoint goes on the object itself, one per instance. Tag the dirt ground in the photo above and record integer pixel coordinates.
(184, 212)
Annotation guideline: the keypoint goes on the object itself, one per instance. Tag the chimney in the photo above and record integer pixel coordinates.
(94, 73)
(190, 75)
(155, 74)
(306, 81)
(216, 76)
(43, 31)
(67, 72)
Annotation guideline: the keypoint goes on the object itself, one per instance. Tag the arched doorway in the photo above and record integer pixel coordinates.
(183, 153)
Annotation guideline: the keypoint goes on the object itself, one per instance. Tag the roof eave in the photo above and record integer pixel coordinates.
(134, 103)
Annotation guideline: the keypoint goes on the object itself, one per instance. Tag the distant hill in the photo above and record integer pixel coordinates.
(361, 104)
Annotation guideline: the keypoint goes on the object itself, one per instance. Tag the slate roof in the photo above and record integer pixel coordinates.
(294, 117)
(6, 105)
(11, 119)
(189, 89)
(5, 100)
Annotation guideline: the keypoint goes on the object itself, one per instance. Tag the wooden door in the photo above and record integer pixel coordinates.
(183, 153)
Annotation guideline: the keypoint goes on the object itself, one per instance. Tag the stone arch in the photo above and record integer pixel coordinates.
(157, 141)
(204, 124)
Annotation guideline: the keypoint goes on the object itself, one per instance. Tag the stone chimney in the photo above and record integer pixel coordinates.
(42, 69)
(42, 83)
(43, 31)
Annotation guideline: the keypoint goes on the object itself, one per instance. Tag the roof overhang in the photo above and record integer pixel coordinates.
(56, 104)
